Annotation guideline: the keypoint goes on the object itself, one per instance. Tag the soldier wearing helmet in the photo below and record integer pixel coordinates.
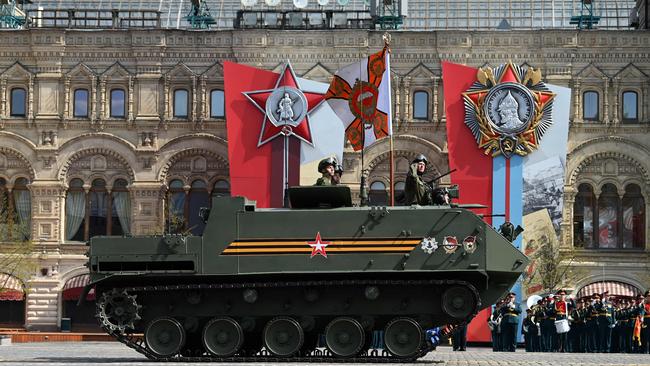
(416, 191)
(327, 167)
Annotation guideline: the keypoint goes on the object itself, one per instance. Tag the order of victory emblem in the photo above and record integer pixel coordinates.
(508, 109)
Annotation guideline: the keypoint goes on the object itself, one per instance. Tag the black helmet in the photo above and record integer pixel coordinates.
(325, 162)
(338, 168)
(420, 158)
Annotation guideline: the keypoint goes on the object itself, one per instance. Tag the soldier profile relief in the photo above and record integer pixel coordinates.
(508, 111)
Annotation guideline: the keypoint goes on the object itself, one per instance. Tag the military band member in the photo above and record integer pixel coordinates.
(560, 310)
(494, 324)
(638, 313)
(605, 324)
(548, 326)
(645, 326)
(327, 168)
(530, 331)
(592, 324)
(576, 337)
(417, 191)
(509, 324)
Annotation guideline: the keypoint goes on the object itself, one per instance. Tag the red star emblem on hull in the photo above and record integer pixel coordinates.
(260, 98)
(318, 246)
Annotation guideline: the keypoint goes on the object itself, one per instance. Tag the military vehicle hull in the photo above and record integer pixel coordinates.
(266, 284)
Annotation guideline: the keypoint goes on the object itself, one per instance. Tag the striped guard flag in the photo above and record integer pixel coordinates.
(360, 96)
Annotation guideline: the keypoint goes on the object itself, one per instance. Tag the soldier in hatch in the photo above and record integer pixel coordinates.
(327, 167)
(417, 191)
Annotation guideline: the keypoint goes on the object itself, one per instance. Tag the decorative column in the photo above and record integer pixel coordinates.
(566, 228)
(131, 118)
(66, 100)
(615, 120)
(577, 96)
(407, 99)
(92, 99)
(205, 99)
(645, 102)
(397, 112)
(194, 92)
(434, 97)
(166, 104)
(606, 100)
(30, 101)
(102, 99)
(3, 98)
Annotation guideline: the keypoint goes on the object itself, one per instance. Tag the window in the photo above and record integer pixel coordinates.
(217, 103)
(608, 222)
(18, 102)
(590, 106)
(630, 107)
(98, 215)
(421, 105)
(75, 207)
(221, 188)
(400, 199)
(15, 211)
(198, 198)
(118, 102)
(633, 217)
(97, 212)
(583, 217)
(80, 103)
(183, 208)
(175, 207)
(181, 101)
(378, 195)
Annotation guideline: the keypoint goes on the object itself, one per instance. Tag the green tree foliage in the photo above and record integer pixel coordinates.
(16, 249)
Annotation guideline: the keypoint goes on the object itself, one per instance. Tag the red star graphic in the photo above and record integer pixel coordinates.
(318, 246)
(269, 131)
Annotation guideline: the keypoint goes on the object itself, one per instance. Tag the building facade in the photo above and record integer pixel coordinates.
(123, 132)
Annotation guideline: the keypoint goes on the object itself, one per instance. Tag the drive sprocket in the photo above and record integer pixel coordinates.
(118, 311)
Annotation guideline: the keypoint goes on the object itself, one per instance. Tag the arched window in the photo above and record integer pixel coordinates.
(18, 102)
(198, 198)
(217, 103)
(608, 217)
(630, 107)
(15, 211)
(118, 103)
(378, 195)
(583, 217)
(80, 103)
(97, 212)
(98, 215)
(121, 216)
(400, 200)
(75, 211)
(590, 106)
(181, 103)
(221, 188)
(421, 105)
(633, 217)
(175, 207)
(23, 208)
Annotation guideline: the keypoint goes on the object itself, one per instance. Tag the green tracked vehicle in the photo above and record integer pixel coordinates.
(267, 284)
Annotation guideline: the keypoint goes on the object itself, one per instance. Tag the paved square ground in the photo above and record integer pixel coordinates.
(113, 353)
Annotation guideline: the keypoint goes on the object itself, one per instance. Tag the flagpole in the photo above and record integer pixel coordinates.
(286, 172)
(386, 38)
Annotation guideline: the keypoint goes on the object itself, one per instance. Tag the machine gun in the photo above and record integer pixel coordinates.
(508, 230)
(442, 195)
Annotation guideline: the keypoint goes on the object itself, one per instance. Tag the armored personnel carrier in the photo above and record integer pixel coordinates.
(266, 284)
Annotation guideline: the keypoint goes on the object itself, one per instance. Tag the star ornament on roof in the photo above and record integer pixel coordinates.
(286, 108)
(318, 246)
